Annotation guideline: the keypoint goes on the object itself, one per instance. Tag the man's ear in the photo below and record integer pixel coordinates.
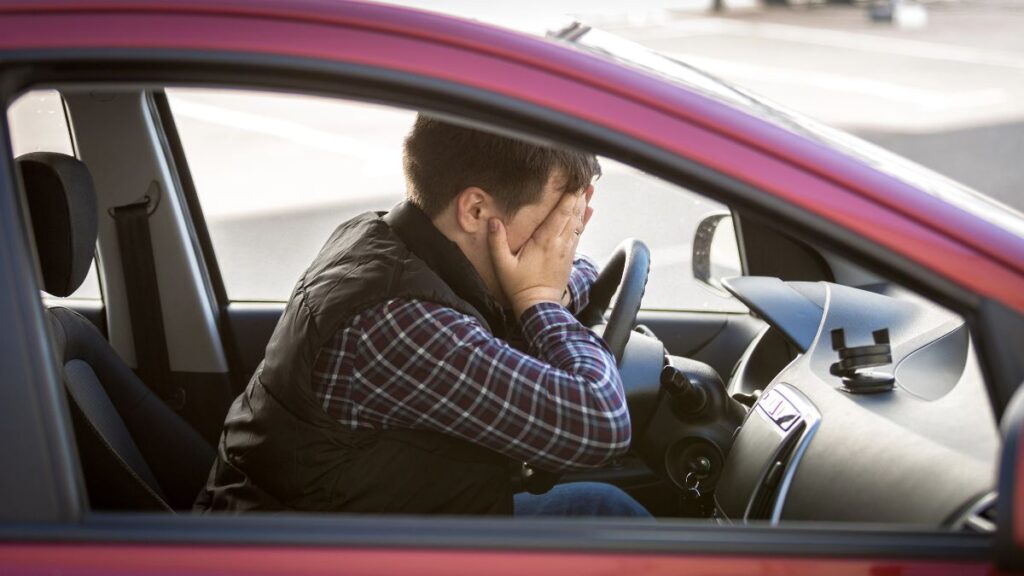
(473, 208)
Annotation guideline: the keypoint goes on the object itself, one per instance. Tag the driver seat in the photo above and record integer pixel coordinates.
(136, 453)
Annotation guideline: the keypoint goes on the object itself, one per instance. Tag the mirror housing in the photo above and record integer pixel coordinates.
(714, 252)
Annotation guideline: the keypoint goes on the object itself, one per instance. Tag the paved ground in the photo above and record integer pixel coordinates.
(949, 96)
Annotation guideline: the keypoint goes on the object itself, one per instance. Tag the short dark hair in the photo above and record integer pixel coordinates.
(442, 159)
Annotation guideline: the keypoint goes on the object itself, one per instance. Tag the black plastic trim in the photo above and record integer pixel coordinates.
(208, 396)
(201, 233)
(998, 346)
(41, 481)
(1009, 555)
(594, 536)
(788, 311)
(772, 252)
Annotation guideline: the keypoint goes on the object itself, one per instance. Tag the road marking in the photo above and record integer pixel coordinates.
(930, 100)
(839, 39)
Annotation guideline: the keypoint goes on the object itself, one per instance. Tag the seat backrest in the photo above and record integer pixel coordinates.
(136, 453)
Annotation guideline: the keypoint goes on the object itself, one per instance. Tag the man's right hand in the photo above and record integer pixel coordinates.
(539, 272)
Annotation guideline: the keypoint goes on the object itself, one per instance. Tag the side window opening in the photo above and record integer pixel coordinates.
(276, 173)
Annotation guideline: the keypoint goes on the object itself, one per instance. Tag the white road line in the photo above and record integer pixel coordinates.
(930, 100)
(844, 40)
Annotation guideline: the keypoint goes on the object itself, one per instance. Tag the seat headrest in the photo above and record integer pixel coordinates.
(62, 202)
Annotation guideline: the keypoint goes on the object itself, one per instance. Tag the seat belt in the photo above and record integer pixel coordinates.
(147, 320)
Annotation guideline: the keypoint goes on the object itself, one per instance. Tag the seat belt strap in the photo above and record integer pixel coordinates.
(147, 320)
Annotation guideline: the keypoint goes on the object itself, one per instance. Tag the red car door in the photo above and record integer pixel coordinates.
(406, 56)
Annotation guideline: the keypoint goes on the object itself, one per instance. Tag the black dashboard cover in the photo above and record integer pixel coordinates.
(792, 308)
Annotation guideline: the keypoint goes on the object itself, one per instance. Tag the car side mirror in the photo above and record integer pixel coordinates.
(715, 252)
(1010, 503)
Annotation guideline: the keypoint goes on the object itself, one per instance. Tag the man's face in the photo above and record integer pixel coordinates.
(526, 220)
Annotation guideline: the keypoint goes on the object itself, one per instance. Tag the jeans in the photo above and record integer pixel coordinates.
(580, 499)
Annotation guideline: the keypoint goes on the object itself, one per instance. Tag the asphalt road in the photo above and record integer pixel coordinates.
(949, 96)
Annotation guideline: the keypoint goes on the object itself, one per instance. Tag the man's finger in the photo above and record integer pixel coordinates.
(578, 232)
(575, 224)
(556, 221)
(581, 226)
(583, 210)
(497, 240)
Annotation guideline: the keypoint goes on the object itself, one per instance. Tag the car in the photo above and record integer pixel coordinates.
(845, 397)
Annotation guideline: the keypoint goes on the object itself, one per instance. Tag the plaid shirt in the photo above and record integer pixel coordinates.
(550, 396)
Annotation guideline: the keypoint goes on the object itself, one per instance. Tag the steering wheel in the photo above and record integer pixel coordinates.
(626, 271)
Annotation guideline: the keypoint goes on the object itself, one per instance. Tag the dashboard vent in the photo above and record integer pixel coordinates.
(981, 517)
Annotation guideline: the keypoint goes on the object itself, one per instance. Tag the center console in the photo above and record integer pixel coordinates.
(764, 455)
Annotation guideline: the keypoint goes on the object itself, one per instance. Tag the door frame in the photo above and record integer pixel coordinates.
(157, 67)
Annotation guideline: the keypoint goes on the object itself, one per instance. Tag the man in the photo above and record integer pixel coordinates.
(428, 353)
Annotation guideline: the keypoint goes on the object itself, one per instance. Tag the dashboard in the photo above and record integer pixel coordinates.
(871, 408)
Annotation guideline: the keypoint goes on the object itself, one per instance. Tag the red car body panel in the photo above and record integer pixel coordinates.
(960, 246)
(79, 559)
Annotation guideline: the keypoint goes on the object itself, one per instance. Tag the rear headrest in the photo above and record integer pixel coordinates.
(62, 201)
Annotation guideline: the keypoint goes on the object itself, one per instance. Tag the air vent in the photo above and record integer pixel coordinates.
(981, 517)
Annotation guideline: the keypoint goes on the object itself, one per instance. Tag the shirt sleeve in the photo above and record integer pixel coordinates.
(561, 407)
(581, 278)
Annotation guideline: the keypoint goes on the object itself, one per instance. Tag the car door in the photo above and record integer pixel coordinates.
(45, 526)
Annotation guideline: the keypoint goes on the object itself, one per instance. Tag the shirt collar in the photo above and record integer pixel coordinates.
(446, 259)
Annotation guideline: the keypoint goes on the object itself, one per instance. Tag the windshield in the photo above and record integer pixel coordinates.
(950, 191)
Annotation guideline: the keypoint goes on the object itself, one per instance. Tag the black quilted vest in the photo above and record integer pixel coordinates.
(281, 451)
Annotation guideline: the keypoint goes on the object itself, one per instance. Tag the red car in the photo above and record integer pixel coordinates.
(848, 402)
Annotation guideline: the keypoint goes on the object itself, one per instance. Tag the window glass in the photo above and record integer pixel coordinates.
(39, 124)
(275, 174)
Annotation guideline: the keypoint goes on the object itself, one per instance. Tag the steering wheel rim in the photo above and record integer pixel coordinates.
(626, 272)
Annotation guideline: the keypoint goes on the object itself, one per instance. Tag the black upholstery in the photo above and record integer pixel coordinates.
(136, 453)
(116, 412)
(62, 202)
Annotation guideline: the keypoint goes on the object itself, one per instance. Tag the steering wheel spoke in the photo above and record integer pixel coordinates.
(625, 273)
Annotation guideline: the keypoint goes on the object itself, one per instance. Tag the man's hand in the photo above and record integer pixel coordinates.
(539, 272)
